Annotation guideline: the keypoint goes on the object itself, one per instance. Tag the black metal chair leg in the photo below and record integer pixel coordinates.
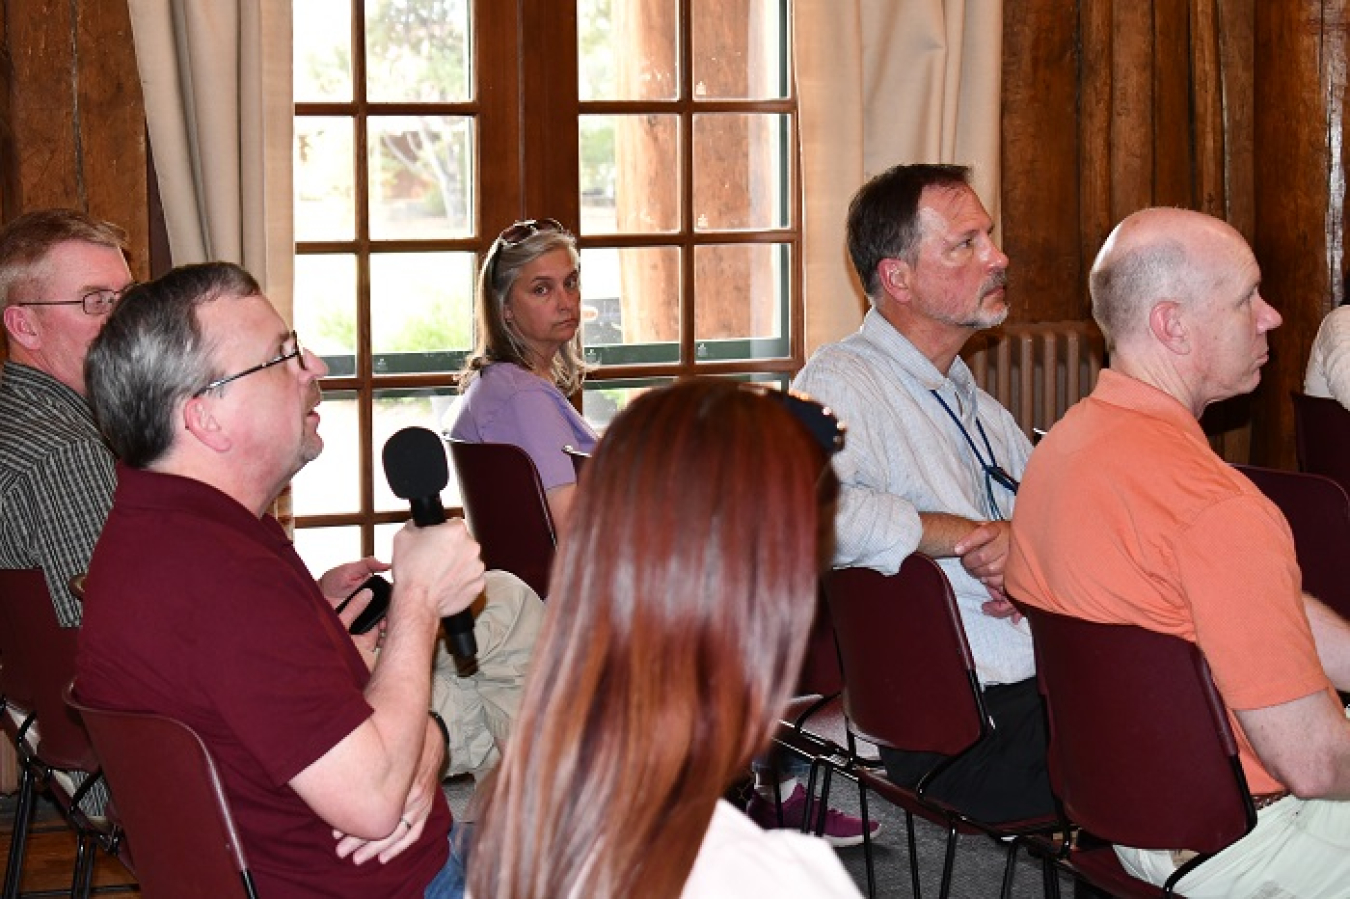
(1008, 867)
(913, 855)
(947, 863)
(867, 842)
(23, 814)
(1049, 877)
(85, 855)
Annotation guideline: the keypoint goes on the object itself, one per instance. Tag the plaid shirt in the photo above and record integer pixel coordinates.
(56, 482)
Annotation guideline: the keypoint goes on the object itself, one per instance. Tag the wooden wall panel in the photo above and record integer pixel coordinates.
(1173, 98)
(41, 104)
(1040, 155)
(112, 145)
(1094, 175)
(1300, 75)
(1173, 165)
(73, 126)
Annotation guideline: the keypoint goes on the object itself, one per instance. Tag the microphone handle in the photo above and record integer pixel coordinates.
(427, 511)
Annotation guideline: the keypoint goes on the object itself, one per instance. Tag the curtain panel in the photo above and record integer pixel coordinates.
(217, 81)
(882, 82)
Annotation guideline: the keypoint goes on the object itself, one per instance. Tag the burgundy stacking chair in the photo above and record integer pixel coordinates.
(1318, 511)
(172, 804)
(1128, 706)
(1322, 437)
(507, 509)
(910, 684)
(812, 726)
(39, 662)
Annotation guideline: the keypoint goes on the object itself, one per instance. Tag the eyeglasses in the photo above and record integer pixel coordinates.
(523, 231)
(95, 302)
(298, 354)
(519, 232)
(819, 420)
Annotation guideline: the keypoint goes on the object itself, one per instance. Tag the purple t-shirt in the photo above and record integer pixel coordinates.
(197, 609)
(507, 404)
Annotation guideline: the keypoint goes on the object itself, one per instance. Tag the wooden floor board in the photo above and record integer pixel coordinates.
(50, 859)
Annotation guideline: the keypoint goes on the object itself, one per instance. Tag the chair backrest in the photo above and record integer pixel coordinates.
(506, 509)
(171, 803)
(1322, 437)
(909, 676)
(1318, 511)
(39, 659)
(1141, 751)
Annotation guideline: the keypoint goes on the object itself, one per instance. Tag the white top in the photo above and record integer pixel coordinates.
(738, 859)
(903, 455)
(1329, 363)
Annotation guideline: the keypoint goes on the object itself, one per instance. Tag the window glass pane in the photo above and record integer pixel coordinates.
(417, 51)
(325, 195)
(742, 292)
(627, 50)
(602, 400)
(395, 410)
(325, 548)
(421, 311)
(322, 36)
(325, 309)
(421, 177)
(742, 175)
(630, 180)
(740, 49)
(331, 483)
(630, 304)
(384, 538)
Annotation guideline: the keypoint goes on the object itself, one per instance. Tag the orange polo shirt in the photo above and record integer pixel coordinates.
(1125, 515)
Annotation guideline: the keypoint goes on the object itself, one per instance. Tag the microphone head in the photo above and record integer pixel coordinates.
(414, 463)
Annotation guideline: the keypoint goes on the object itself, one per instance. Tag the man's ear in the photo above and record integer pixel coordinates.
(1167, 323)
(21, 328)
(895, 276)
(202, 424)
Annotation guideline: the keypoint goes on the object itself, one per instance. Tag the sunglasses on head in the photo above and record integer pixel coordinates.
(520, 232)
(819, 420)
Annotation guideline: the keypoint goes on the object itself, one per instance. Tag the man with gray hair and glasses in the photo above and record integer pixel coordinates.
(932, 462)
(61, 272)
(199, 608)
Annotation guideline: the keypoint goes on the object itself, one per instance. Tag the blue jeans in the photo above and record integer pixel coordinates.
(449, 883)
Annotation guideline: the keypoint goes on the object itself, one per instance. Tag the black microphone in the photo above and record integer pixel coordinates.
(414, 463)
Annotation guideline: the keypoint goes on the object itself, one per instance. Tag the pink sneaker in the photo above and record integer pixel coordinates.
(840, 829)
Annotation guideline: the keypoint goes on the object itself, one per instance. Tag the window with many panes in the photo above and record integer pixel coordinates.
(663, 132)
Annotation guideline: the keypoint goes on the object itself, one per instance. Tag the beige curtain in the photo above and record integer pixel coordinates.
(882, 82)
(216, 75)
(217, 81)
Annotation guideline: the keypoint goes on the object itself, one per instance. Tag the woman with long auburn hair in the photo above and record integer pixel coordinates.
(683, 597)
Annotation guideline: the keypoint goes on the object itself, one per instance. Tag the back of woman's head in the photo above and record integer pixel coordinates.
(683, 594)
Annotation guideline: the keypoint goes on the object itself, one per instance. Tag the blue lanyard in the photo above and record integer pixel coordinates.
(992, 471)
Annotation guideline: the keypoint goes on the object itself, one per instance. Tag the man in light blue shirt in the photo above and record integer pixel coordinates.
(932, 462)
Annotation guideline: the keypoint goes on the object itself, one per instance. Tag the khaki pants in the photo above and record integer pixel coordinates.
(1299, 849)
(478, 709)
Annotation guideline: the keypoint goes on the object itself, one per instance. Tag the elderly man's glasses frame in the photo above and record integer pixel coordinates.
(96, 302)
(297, 354)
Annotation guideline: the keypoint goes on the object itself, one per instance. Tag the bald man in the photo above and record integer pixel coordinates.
(1127, 516)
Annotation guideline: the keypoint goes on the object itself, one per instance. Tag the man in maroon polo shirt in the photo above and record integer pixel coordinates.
(197, 606)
